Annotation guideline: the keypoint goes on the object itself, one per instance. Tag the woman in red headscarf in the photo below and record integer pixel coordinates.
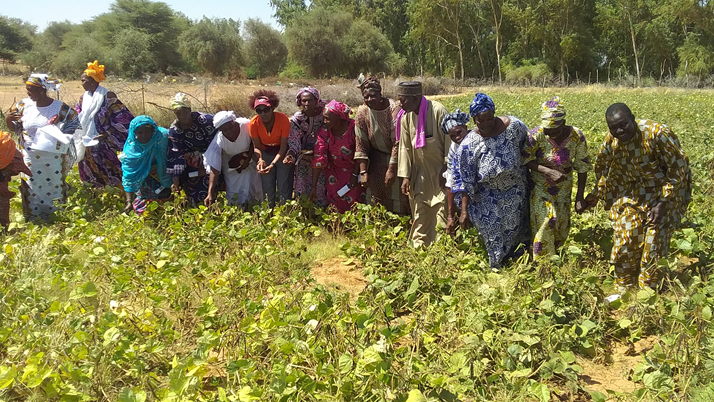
(334, 152)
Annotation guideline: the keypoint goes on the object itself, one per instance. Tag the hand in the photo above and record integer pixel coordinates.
(14, 116)
(364, 179)
(555, 176)
(176, 185)
(656, 215)
(239, 162)
(389, 178)
(267, 169)
(406, 186)
(102, 137)
(261, 165)
(581, 206)
(353, 181)
(128, 207)
(313, 195)
(210, 199)
(590, 201)
(289, 159)
(450, 226)
(464, 220)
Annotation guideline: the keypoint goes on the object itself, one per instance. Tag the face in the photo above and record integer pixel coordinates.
(331, 119)
(230, 130)
(308, 104)
(88, 83)
(265, 113)
(555, 131)
(35, 93)
(144, 133)
(183, 115)
(409, 103)
(372, 98)
(458, 133)
(622, 126)
(485, 121)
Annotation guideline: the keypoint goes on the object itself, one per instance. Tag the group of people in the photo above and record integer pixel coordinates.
(514, 185)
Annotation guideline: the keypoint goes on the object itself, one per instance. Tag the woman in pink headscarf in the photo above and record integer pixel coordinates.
(334, 152)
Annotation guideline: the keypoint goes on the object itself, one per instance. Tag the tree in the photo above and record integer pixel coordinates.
(133, 53)
(287, 10)
(214, 45)
(441, 20)
(366, 49)
(264, 48)
(318, 49)
(14, 38)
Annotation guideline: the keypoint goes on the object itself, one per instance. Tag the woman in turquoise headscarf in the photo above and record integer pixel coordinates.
(143, 164)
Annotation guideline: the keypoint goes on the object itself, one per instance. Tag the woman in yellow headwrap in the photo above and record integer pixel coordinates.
(553, 151)
(105, 122)
(11, 164)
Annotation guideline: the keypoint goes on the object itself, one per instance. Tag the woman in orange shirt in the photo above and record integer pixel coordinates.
(269, 131)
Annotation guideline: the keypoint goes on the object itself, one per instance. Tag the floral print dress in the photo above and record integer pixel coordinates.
(550, 203)
(336, 156)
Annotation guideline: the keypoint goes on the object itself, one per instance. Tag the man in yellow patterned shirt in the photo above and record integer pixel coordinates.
(644, 179)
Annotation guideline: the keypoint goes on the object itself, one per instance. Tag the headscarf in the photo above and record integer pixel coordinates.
(7, 149)
(553, 113)
(480, 104)
(222, 118)
(340, 109)
(180, 100)
(312, 91)
(96, 71)
(43, 81)
(451, 120)
(369, 83)
(137, 157)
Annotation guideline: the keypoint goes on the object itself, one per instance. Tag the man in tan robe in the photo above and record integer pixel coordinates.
(423, 150)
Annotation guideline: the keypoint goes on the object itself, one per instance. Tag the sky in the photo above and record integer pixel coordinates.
(82, 10)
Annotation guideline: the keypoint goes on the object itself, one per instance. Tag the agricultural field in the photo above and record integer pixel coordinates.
(196, 304)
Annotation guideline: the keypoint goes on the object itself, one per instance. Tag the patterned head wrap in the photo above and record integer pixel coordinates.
(96, 71)
(223, 117)
(340, 109)
(369, 83)
(180, 100)
(451, 120)
(480, 104)
(7, 149)
(312, 91)
(43, 81)
(138, 158)
(553, 113)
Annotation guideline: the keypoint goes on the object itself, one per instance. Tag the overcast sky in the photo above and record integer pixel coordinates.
(42, 12)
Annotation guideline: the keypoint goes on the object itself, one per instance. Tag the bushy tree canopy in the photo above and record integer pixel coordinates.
(213, 45)
(264, 48)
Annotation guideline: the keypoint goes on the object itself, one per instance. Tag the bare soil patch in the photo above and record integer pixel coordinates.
(341, 275)
(615, 373)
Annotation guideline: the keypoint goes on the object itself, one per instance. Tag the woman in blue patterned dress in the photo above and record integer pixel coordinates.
(489, 176)
(189, 137)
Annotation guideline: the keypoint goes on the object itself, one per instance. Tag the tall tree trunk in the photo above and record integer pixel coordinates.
(478, 49)
(461, 54)
(634, 47)
(497, 27)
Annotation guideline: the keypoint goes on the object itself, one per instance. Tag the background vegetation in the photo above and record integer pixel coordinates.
(533, 42)
(190, 304)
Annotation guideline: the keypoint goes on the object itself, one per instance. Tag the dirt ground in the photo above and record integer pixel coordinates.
(615, 374)
(337, 274)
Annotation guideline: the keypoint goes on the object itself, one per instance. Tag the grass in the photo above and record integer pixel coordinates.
(220, 305)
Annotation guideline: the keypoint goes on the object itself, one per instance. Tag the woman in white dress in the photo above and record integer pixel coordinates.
(47, 151)
(231, 153)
